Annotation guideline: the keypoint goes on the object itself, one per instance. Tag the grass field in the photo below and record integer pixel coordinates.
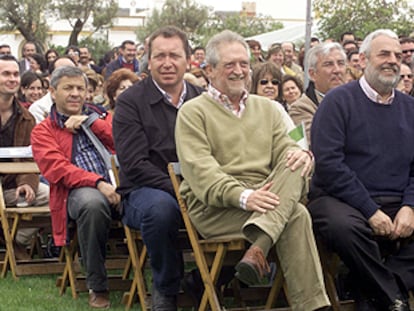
(39, 293)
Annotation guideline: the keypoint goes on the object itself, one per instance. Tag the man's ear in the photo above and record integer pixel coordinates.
(362, 60)
(312, 73)
(208, 70)
(52, 93)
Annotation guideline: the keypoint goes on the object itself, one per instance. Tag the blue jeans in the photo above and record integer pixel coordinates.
(92, 213)
(157, 215)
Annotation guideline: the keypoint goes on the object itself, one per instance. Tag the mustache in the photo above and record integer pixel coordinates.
(395, 68)
(237, 77)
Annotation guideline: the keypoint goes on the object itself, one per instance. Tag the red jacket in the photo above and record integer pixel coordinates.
(52, 151)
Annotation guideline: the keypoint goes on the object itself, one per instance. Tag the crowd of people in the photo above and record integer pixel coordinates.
(225, 111)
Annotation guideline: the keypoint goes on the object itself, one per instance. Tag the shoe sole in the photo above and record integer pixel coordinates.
(247, 274)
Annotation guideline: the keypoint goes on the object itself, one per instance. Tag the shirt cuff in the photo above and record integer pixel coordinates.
(243, 198)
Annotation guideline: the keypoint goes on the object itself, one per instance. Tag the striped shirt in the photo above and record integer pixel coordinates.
(85, 154)
(224, 100)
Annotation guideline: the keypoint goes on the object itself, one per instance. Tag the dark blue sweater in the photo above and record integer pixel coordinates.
(363, 149)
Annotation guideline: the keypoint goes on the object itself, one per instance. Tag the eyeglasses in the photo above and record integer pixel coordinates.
(409, 76)
(406, 51)
(265, 81)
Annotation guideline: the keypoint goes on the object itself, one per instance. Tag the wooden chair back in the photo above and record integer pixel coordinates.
(210, 254)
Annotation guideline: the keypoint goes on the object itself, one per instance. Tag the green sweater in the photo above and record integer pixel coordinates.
(221, 154)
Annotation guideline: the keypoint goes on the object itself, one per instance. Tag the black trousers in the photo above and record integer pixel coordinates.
(382, 269)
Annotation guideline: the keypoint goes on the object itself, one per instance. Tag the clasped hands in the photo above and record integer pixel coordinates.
(401, 227)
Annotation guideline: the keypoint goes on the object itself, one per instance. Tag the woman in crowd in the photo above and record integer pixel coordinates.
(50, 56)
(38, 64)
(291, 89)
(73, 52)
(266, 78)
(275, 55)
(256, 52)
(32, 88)
(118, 82)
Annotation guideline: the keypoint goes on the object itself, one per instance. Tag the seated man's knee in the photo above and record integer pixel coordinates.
(165, 210)
(147, 205)
(92, 203)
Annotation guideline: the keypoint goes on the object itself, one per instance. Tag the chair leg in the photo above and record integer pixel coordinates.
(329, 262)
(210, 278)
(68, 272)
(137, 262)
(9, 257)
(276, 287)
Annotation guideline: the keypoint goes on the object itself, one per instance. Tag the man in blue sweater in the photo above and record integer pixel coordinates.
(362, 192)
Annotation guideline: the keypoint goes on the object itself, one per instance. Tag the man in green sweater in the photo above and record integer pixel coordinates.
(243, 176)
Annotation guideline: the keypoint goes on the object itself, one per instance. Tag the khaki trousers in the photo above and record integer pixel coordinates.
(290, 227)
(24, 236)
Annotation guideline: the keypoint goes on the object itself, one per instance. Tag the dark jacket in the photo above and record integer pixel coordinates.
(144, 125)
(117, 64)
(23, 128)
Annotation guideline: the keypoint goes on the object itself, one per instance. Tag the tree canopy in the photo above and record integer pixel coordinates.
(78, 12)
(27, 17)
(200, 23)
(30, 17)
(362, 17)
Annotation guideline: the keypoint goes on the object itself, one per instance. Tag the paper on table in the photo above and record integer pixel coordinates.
(16, 152)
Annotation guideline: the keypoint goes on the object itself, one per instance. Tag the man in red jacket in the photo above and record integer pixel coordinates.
(79, 181)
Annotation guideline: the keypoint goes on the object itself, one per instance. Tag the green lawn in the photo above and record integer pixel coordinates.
(39, 293)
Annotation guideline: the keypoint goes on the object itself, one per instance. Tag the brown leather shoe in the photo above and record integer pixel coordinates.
(99, 300)
(20, 252)
(253, 266)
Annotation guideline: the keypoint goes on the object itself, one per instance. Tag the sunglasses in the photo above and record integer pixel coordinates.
(265, 81)
(406, 51)
(409, 76)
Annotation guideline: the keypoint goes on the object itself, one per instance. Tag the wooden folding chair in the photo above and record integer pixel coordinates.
(210, 254)
(136, 260)
(14, 218)
(72, 275)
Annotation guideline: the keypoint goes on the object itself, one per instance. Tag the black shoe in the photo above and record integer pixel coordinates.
(162, 302)
(399, 305)
(364, 305)
(193, 286)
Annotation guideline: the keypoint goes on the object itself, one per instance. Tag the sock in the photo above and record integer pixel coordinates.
(259, 238)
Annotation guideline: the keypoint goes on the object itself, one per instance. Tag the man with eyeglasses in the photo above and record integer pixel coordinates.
(406, 80)
(407, 46)
(233, 148)
(326, 65)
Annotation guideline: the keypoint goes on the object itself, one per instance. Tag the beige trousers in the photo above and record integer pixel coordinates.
(290, 227)
(24, 236)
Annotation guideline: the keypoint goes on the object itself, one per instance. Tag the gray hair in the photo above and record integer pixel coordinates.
(366, 44)
(66, 71)
(322, 50)
(212, 55)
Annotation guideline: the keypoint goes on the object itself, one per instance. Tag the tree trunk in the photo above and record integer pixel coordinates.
(73, 39)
